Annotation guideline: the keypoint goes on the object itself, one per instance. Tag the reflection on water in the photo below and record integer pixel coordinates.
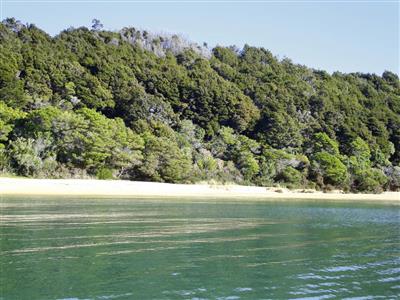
(148, 249)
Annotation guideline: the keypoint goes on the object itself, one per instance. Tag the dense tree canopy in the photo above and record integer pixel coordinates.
(140, 106)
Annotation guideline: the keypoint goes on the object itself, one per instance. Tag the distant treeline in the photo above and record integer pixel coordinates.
(140, 106)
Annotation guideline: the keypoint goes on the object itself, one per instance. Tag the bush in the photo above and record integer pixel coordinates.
(24, 157)
(291, 175)
(369, 184)
(330, 167)
(48, 168)
(104, 174)
(4, 162)
(248, 165)
(372, 181)
(31, 157)
(393, 173)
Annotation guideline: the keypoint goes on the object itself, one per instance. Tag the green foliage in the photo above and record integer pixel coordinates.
(11, 86)
(25, 158)
(207, 166)
(280, 131)
(8, 117)
(248, 165)
(360, 152)
(31, 157)
(164, 161)
(151, 107)
(393, 175)
(105, 141)
(4, 161)
(332, 170)
(86, 139)
(370, 180)
(104, 174)
(323, 143)
(291, 175)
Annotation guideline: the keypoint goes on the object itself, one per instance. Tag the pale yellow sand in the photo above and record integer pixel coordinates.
(80, 187)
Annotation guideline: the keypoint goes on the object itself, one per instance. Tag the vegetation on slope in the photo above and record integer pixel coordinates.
(140, 106)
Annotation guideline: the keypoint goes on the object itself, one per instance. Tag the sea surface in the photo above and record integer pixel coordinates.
(74, 248)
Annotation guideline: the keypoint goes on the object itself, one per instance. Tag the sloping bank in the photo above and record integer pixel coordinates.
(119, 188)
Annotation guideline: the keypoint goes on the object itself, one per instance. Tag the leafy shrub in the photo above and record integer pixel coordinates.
(31, 157)
(104, 174)
(371, 181)
(291, 175)
(393, 174)
(25, 157)
(332, 170)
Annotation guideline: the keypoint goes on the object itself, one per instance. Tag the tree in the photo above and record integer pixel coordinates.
(332, 170)
(248, 165)
(96, 25)
(163, 160)
(393, 174)
(86, 139)
(32, 157)
(361, 152)
(137, 105)
(323, 143)
(8, 117)
(279, 131)
(11, 85)
(291, 175)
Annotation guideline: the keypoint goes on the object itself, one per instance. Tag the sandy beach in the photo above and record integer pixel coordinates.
(120, 188)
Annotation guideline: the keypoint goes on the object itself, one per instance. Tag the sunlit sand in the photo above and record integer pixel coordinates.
(114, 188)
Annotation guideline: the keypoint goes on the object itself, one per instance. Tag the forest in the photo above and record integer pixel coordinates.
(134, 105)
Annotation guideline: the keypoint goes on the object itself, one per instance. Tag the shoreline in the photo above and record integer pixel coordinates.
(139, 189)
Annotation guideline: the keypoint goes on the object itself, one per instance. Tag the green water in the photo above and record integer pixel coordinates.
(148, 249)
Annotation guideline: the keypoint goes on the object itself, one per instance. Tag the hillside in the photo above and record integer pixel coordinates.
(140, 106)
